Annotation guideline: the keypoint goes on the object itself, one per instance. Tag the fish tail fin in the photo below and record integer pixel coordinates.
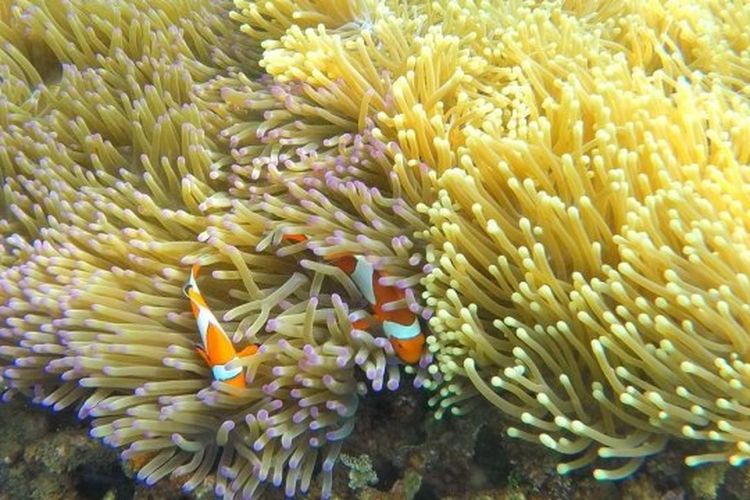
(195, 270)
(191, 283)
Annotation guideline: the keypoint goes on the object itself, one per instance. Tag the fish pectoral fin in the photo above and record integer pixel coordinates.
(203, 354)
(248, 351)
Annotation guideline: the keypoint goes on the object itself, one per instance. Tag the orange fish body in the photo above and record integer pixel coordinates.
(216, 349)
(401, 326)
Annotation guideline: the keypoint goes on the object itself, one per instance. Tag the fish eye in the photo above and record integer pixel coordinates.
(186, 289)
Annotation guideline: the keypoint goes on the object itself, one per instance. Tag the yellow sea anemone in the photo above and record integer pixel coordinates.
(122, 161)
(561, 188)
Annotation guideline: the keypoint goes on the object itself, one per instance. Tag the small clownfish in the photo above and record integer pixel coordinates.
(401, 326)
(217, 349)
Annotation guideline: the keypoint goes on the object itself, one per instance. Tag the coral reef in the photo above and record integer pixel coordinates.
(557, 189)
(361, 472)
(45, 456)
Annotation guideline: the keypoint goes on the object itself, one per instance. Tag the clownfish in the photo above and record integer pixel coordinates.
(216, 348)
(401, 326)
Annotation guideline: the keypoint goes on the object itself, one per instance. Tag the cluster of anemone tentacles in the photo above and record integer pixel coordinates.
(561, 188)
(138, 138)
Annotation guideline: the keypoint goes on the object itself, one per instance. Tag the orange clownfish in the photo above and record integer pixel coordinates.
(216, 348)
(401, 326)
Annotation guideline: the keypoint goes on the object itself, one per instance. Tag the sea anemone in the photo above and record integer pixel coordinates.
(559, 188)
(126, 156)
(590, 244)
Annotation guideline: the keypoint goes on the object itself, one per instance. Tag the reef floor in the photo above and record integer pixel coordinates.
(398, 451)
